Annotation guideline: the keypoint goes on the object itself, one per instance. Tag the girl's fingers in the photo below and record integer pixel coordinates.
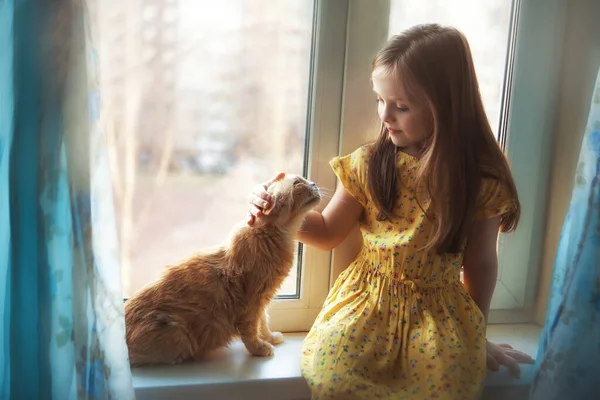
(254, 210)
(259, 202)
(492, 363)
(249, 218)
(520, 356)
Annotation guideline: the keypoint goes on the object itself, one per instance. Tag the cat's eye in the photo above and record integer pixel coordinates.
(297, 181)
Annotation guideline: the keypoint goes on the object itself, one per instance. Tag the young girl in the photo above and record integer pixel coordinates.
(430, 194)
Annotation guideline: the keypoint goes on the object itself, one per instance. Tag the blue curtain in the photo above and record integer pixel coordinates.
(62, 332)
(568, 360)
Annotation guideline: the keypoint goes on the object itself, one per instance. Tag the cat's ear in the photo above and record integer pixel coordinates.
(278, 177)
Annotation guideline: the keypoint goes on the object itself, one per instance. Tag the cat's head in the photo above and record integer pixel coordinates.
(292, 196)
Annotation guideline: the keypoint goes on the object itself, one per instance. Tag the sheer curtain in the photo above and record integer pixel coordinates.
(568, 361)
(62, 332)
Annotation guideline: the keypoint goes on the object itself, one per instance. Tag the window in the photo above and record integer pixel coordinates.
(236, 94)
(210, 101)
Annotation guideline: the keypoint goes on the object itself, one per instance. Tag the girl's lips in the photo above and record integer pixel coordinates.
(393, 131)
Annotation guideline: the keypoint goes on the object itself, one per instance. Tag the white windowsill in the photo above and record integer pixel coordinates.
(234, 374)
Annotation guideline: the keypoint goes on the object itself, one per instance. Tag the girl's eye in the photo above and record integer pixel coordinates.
(402, 108)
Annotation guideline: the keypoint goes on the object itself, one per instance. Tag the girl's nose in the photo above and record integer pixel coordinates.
(385, 115)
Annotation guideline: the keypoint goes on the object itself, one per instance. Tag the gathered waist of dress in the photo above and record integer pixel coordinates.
(417, 284)
(396, 276)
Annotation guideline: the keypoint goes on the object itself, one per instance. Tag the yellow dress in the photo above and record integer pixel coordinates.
(398, 323)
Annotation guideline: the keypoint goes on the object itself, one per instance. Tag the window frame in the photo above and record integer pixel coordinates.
(341, 117)
(324, 117)
(534, 93)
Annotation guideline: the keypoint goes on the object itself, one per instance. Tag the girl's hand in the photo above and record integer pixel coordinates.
(504, 354)
(259, 201)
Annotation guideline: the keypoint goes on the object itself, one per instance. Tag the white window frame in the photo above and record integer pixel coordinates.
(325, 107)
(531, 120)
(529, 115)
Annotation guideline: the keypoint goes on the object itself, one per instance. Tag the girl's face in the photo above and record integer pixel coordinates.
(409, 124)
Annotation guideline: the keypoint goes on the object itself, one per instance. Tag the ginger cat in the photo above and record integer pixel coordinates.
(215, 296)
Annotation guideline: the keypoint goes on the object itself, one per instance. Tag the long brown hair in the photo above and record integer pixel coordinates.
(436, 67)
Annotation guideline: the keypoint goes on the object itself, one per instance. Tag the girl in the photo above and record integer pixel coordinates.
(430, 194)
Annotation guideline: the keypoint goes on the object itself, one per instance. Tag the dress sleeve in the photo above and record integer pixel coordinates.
(351, 170)
(494, 201)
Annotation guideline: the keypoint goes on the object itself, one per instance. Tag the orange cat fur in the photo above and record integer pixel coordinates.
(210, 299)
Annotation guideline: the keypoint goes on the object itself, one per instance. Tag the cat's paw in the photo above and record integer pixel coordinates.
(275, 338)
(262, 349)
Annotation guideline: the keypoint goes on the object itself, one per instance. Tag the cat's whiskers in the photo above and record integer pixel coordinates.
(325, 193)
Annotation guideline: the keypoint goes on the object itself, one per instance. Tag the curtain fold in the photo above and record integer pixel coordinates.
(62, 334)
(568, 360)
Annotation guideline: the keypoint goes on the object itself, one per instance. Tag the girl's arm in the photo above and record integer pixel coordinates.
(480, 272)
(324, 230)
(480, 263)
